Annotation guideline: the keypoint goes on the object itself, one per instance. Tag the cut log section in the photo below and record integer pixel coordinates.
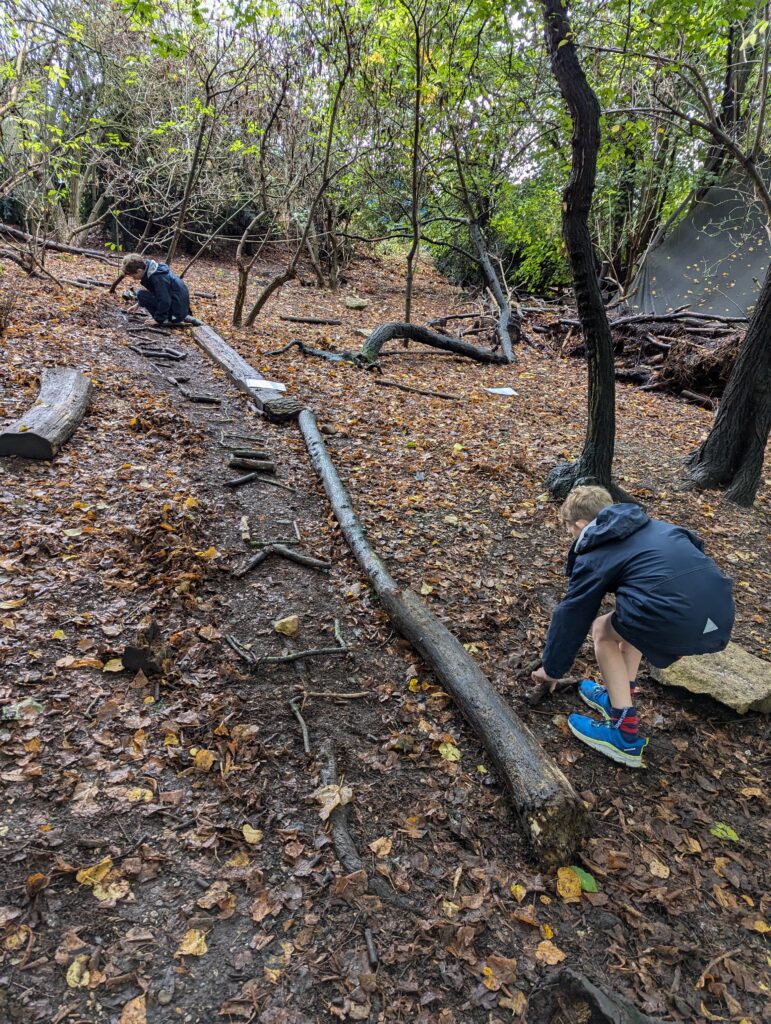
(552, 815)
(59, 408)
(277, 407)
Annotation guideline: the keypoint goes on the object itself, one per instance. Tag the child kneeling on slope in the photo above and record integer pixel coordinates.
(671, 600)
(163, 294)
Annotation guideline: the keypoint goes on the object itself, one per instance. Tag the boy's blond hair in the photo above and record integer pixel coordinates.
(132, 262)
(584, 503)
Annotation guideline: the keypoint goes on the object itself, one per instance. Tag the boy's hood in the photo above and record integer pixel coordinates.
(153, 267)
(614, 522)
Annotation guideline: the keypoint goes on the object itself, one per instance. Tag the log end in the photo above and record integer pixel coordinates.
(557, 828)
(26, 444)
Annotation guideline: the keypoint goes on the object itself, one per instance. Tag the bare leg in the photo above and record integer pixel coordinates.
(632, 658)
(615, 663)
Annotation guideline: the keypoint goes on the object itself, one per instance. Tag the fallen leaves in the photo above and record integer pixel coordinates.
(105, 881)
(569, 885)
(723, 831)
(547, 953)
(332, 796)
(381, 847)
(193, 943)
(202, 759)
(288, 626)
(135, 1011)
(253, 836)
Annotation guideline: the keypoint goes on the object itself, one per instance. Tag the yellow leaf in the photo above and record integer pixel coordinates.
(457, 449)
(760, 926)
(113, 665)
(517, 1003)
(288, 626)
(208, 555)
(136, 795)
(489, 980)
(547, 953)
(9, 605)
(94, 874)
(18, 938)
(450, 909)
(238, 860)
(413, 685)
(193, 943)
(569, 885)
(547, 931)
(381, 847)
(752, 791)
(203, 760)
(191, 502)
(77, 973)
(170, 740)
(135, 1011)
(252, 835)
(23, 428)
(658, 870)
(332, 796)
(58, 634)
(426, 588)
(272, 974)
(114, 890)
(449, 751)
(518, 891)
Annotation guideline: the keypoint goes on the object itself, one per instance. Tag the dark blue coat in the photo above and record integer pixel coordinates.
(671, 598)
(170, 294)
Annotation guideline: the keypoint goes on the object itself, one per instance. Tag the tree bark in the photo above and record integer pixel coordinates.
(552, 816)
(732, 454)
(596, 459)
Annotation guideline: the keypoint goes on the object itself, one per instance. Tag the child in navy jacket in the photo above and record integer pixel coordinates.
(163, 294)
(671, 601)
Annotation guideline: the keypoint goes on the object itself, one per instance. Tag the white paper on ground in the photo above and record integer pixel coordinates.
(265, 385)
(500, 391)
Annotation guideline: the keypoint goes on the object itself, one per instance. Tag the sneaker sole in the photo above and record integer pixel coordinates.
(630, 760)
(594, 707)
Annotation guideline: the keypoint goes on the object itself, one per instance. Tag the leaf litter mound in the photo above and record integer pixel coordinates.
(165, 854)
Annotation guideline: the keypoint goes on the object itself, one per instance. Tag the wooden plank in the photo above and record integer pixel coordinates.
(59, 408)
(277, 407)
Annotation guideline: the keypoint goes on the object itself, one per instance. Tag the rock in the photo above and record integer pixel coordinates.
(733, 677)
(289, 625)
(354, 302)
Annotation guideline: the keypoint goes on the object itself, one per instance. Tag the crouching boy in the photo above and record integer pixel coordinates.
(671, 601)
(163, 294)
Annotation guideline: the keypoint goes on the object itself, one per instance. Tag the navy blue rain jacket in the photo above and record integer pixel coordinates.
(671, 598)
(172, 299)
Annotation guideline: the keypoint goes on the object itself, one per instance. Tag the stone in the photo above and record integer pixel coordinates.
(733, 677)
(355, 302)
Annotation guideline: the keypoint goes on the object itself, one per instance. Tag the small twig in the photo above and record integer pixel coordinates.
(297, 530)
(246, 534)
(331, 321)
(384, 382)
(238, 647)
(303, 726)
(285, 659)
(283, 552)
(371, 948)
(333, 695)
(257, 465)
(248, 477)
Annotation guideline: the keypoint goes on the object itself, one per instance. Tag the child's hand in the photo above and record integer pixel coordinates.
(540, 676)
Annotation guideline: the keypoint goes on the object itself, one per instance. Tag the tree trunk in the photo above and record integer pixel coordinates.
(507, 319)
(732, 454)
(386, 332)
(596, 459)
(191, 179)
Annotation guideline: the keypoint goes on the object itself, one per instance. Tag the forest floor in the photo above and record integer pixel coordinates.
(164, 858)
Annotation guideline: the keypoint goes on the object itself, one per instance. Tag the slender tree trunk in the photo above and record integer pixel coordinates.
(191, 178)
(415, 169)
(732, 454)
(596, 459)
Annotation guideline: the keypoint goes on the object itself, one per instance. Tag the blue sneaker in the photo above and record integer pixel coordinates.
(602, 736)
(596, 696)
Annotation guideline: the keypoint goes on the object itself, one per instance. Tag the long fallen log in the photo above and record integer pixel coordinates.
(277, 407)
(58, 410)
(551, 813)
(45, 243)
(370, 350)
